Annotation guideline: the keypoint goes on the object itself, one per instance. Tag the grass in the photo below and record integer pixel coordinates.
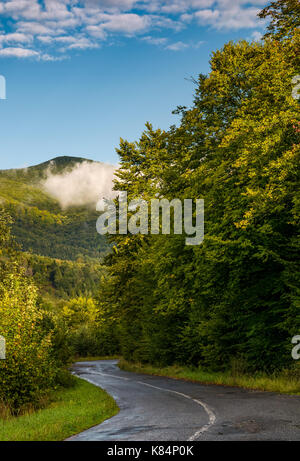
(286, 383)
(70, 412)
(92, 358)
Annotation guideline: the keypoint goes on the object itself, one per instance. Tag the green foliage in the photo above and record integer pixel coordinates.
(32, 362)
(285, 18)
(235, 297)
(62, 279)
(40, 225)
(90, 333)
(28, 368)
(78, 311)
(286, 382)
(70, 411)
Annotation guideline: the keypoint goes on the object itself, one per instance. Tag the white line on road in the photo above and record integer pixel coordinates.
(210, 413)
(106, 374)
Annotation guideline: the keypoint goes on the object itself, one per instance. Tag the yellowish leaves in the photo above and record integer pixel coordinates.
(244, 223)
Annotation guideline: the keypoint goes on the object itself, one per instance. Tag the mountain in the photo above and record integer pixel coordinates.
(41, 226)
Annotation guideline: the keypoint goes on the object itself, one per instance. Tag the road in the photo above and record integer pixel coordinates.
(163, 409)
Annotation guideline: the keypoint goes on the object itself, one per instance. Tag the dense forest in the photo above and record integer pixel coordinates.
(40, 225)
(49, 314)
(235, 297)
(62, 279)
(50, 267)
(60, 248)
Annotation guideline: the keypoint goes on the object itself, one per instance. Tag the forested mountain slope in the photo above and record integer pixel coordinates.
(41, 226)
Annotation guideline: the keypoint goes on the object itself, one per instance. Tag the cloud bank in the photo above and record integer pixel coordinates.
(51, 29)
(84, 185)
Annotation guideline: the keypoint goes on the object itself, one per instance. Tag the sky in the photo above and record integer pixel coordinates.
(81, 74)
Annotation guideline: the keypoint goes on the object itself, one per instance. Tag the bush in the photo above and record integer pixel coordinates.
(92, 340)
(29, 369)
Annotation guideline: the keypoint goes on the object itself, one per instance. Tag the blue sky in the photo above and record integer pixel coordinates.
(82, 74)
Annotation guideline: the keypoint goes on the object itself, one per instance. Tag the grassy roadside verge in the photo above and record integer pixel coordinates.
(285, 384)
(70, 412)
(93, 358)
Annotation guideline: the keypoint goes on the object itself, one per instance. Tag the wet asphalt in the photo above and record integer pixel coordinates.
(163, 409)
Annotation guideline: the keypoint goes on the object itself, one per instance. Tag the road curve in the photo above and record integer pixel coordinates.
(163, 409)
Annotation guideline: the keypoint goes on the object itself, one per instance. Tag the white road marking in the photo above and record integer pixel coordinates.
(211, 418)
(106, 374)
(210, 413)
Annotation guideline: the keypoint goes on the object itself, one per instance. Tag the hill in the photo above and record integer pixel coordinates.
(41, 226)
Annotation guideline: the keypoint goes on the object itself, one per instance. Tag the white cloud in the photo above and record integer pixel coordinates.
(85, 184)
(207, 16)
(186, 17)
(128, 23)
(21, 8)
(35, 28)
(176, 6)
(82, 24)
(256, 36)
(97, 32)
(108, 5)
(45, 39)
(230, 14)
(155, 40)
(15, 37)
(164, 22)
(182, 6)
(18, 53)
(56, 9)
(177, 46)
(82, 44)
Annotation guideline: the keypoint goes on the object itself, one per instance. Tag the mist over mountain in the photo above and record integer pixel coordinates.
(84, 184)
(53, 206)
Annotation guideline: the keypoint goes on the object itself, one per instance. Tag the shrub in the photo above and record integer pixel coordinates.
(29, 369)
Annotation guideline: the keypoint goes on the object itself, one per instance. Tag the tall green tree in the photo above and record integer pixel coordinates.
(236, 295)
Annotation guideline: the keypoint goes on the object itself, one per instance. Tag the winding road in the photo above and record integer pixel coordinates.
(163, 409)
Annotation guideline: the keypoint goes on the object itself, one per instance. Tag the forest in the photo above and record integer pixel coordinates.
(41, 226)
(231, 301)
(235, 297)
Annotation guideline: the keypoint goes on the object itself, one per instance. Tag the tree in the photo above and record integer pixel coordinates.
(235, 296)
(285, 18)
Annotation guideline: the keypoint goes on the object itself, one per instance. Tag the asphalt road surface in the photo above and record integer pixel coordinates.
(164, 409)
